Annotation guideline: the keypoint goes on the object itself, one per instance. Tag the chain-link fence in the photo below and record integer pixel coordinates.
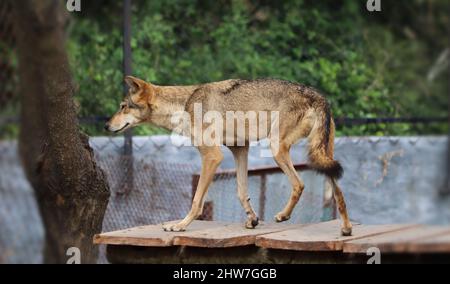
(144, 191)
(157, 183)
(382, 184)
(21, 230)
(269, 191)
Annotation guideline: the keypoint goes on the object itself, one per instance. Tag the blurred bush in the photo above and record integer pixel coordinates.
(367, 64)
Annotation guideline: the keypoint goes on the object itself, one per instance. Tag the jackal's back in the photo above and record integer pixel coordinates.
(262, 94)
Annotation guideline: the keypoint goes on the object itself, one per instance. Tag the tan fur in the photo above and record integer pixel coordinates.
(303, 112)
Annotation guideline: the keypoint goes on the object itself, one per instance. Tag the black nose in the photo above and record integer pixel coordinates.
(106, 126)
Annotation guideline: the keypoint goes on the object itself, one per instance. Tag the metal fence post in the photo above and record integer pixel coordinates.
(262, 197)
(128, 144)
(446, 189)
(128, 180)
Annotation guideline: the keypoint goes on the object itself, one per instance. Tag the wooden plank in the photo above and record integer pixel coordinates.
(258, 171)
(321, 237)
(436, 244)
(231, 235)
(412, 240)
(151, 235)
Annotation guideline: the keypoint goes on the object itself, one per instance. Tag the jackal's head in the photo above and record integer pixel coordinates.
(135, 108)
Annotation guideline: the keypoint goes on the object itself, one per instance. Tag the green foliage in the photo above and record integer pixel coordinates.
(362, 62)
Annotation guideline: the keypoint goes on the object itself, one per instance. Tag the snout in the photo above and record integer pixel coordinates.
(119, 122)
(114, 128)
(107, 126)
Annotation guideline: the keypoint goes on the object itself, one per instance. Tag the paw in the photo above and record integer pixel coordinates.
(280, 217)
(174, 227)
(252, 223)
(346, 231)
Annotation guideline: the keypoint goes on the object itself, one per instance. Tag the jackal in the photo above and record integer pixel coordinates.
(302, 113)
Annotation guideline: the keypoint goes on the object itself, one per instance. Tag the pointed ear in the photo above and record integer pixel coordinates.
(134, 83)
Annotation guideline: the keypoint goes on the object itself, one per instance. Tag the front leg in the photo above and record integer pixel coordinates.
(241, 159)
(211, 159)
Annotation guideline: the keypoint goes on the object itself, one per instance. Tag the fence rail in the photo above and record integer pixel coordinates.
(262, 172)
(377, 120)
(340, 121)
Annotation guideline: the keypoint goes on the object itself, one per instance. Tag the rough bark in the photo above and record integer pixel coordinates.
(70, 188)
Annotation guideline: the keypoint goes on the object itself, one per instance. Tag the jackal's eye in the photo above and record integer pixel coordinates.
(122, 106)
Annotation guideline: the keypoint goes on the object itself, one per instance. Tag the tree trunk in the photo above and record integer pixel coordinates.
(70, 188)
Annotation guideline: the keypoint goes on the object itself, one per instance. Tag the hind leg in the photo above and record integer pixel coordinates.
(281, 156)
(346, 229)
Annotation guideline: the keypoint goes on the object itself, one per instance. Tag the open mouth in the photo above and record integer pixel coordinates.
(126, 125)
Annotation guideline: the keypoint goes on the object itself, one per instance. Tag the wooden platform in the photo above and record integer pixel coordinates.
(220, 242)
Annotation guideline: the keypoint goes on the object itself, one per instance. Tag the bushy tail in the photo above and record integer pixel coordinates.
(321, 144)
